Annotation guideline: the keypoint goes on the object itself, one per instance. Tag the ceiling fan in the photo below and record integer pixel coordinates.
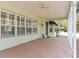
(44, 5)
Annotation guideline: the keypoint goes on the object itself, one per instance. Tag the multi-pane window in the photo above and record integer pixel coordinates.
(27, 25)
(18, 21)
(22, 30)
(3, 14)
(34, 26)
(20, 25)
(7, 31)
(18, 30)
(31, 26)
(12, 24)
(7, 22)
(3, 18)
(12, 19)
(22, 21)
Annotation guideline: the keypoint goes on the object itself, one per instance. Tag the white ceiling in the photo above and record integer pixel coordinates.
(56, 9)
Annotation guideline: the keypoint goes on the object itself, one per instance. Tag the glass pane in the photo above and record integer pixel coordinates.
(30, 30)
(18, 20)
(27, 22)
(22, 21)
(22, 30)
(3, 14)
(7, 31)
(3, 18)
(2, 31)
(34, 30)
(27, 30)
(18, 30)
(11, 17)
(3, 21)
(13, 31)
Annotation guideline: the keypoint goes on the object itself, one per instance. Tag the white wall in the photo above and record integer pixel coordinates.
(11, 42)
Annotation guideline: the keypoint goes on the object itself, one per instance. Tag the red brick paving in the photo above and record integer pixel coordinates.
(40, 48)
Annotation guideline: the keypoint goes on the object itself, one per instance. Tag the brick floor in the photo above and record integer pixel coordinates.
(40, 48)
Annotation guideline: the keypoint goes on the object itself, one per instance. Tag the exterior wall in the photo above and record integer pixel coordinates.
(13, 41)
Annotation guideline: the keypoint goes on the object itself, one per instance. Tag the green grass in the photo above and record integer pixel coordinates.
(77, 26)
(64, 23)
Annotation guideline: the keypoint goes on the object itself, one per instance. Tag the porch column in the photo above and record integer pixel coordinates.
(15, 25)
(72, 27)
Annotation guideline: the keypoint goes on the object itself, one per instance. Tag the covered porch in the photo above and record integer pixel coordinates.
(32, 29)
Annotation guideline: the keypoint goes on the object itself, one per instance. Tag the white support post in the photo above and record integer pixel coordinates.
(25, 25)
(15, 25)
(0, 23)
(72, 28)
